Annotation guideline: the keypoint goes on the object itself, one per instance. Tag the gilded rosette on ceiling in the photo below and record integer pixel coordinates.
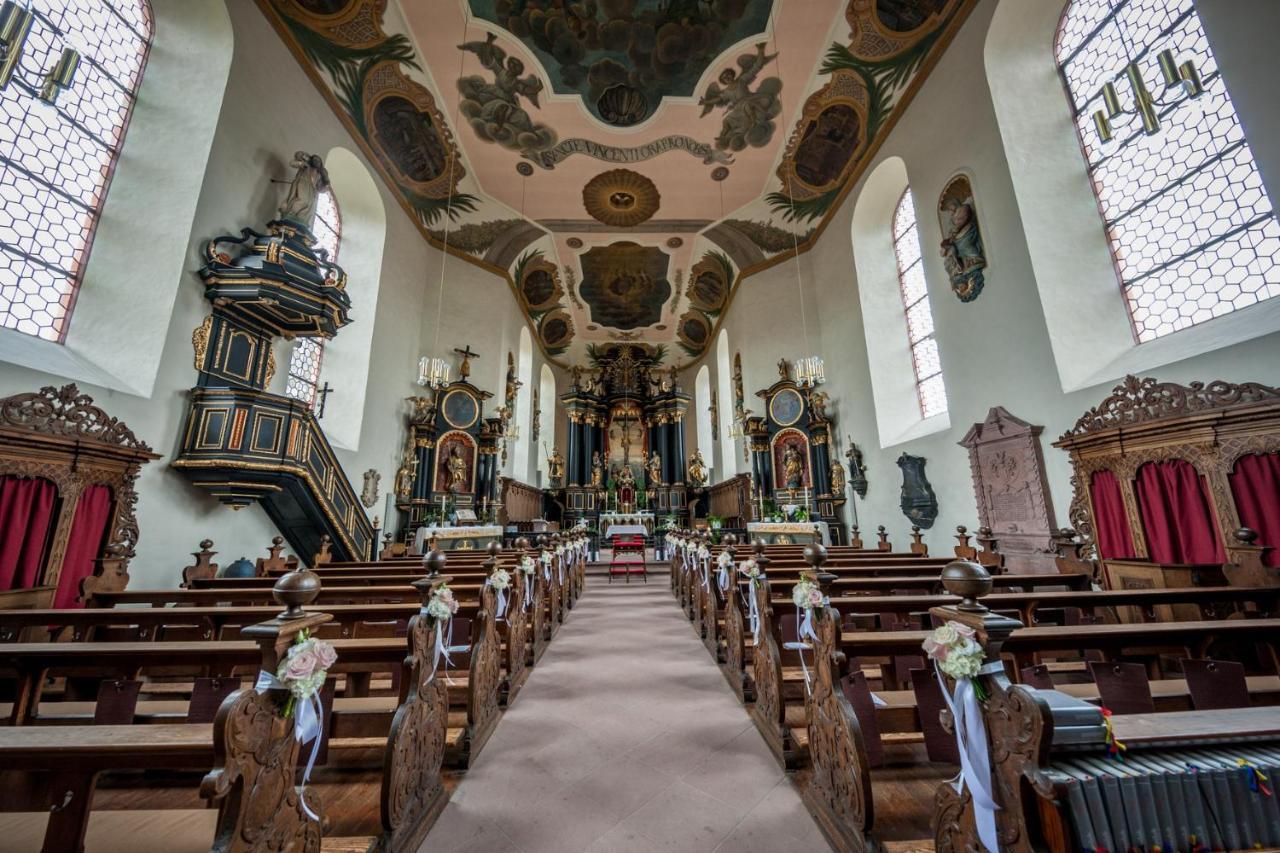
(620, 197)
(351, 23)
(409, 134)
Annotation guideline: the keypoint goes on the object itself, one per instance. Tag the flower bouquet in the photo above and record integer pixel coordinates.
(499, 580)
(304, 669)
(806, 595)
(751, 569)
(954, 649)
(526, 565)
(442, 605)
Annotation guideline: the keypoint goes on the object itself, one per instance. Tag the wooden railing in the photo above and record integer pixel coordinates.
(731, 500)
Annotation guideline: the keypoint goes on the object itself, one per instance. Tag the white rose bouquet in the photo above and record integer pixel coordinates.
(304, 668)
(751, 569)
(955, 650)
(724, 560)
(500, 579)
(806, 595)
(527, 566)
(442, 605)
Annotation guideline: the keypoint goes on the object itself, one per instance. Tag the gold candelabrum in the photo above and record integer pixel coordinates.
(1176, 76)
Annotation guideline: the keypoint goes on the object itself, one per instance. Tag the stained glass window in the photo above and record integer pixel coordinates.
(308, 353)
(56, 160)
(930, 391)
(1190, 226)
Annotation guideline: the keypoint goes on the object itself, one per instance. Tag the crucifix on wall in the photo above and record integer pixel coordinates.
(322, 397)
(465, 370)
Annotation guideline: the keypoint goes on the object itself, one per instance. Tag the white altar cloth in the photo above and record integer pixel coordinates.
(477, 532)
(625, 530)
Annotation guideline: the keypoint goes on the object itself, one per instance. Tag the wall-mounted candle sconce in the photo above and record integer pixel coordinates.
(15, 26)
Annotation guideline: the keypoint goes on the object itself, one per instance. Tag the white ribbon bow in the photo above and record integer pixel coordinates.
(804, 628)
(528, 591)
(975, 762)
(308, 722)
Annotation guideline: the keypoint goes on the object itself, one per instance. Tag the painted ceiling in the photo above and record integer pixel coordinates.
(624, 163)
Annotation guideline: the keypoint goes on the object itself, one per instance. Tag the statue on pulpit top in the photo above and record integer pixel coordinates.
(597, 471)
(654, 470)
(310, 178)
(697, 470)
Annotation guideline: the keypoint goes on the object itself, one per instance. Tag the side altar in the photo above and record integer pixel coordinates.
(626, 446)
(466, 538)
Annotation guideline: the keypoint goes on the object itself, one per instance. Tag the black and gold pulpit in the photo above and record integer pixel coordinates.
(242, 443)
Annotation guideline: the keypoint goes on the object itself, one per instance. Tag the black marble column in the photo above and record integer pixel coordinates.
(422, 476)
(677, 474)
(573, 454)
(821, 473)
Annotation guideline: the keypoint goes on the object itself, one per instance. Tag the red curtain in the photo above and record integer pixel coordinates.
(1177, 516)
(88, 530)
(1255, 484)
(1111, 525)
(26, 508)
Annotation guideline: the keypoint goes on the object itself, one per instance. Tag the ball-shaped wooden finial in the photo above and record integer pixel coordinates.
(968, 580)
(434, 562)
(729, 539)
(961, 529)
(494, 548)
(294, 590)
(1246, 535)
(815, 555)
(522, 544)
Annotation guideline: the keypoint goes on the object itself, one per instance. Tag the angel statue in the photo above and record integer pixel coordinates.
(310, 178)
(494, 108)
(748, 117)
(653, 470)
(697, 470)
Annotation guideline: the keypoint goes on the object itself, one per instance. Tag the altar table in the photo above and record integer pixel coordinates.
(625, 530)
(457, 538)
(789, 532)
(611, 520)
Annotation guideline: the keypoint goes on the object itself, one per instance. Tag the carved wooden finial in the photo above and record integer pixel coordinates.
(917, 542)
(883, 544)
(274, 564)
(295, 589)
(815, 555)
(203, 567)
(522, 545)
(970, 581)
(434, 562)
(324, 555)
(1246, 566)
(855, 538)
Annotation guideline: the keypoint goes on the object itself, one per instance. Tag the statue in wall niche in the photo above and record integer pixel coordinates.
(919, 503)
(697, 470)
(857, 469)
(369, 494)
(310, 178)
(963, 253)
(654, 469)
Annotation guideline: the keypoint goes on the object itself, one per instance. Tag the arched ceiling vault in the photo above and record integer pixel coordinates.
(623, 163)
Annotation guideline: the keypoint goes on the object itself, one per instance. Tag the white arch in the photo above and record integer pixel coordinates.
(157, 182)
(724, 375)
(893, 378)
(346, 358)
(1084, 309)
(523, 416)
(702, 400)
(546, 414)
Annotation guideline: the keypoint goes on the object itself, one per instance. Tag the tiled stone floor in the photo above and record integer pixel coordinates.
(625, 738)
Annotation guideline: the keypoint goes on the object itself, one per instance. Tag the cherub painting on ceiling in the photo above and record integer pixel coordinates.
(749, 116)
(493, 107)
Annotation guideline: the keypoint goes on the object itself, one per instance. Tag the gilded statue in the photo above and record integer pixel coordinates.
(423, 409)
(626, 477)
(654, 469)
(793, 468)
(597, 471)
(404, 475)
(456, 467)
(837, 478)
(310, 178)
(697, 470)
(818, 401)
(555, 467)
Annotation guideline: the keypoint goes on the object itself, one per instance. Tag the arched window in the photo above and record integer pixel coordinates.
(308, 353)
(546, 416)
(524, 406)
(930, 391)
(56, 161)
(704, 427)
(1192, 233)
(724, 381)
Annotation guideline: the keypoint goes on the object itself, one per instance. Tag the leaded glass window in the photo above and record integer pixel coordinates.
(930, 391)
(1189, 223)
(308, 353)
(56, 160)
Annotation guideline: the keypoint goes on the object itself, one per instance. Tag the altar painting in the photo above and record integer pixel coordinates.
(626, 439)
(455, 464)
(790, 449)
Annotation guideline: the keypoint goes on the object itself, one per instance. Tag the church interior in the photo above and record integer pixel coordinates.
(592, 426)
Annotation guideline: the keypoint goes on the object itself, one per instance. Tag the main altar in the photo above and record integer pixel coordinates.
(626, 446)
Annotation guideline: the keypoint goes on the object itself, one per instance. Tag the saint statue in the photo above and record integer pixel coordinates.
(597, 471)
(818, 404)
(654, 469)
(310, 178)
(404, 475)
(626, 478)
(457, 469)
(793, 468)
(697, 470)
(963, 255)
(837, 478)
(857, 469)
(555, 467)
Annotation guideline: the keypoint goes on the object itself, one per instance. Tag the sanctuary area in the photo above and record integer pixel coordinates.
(612, 426)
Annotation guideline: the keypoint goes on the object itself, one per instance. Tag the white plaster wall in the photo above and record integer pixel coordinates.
(996, 350)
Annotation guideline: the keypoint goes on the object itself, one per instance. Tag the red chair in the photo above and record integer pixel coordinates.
(628, 557)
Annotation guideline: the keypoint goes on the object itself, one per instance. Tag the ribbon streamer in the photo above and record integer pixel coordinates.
(975, 761)
(308, 722)
(804, 628)
(528, 591)
(753, 612)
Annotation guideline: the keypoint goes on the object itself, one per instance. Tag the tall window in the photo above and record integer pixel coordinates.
(308, 353)
(56, 161)
(930, 391)
(1191, 229)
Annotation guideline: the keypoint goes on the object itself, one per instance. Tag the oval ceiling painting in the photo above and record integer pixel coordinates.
(556, 330)
(694, 330)
(625, 284)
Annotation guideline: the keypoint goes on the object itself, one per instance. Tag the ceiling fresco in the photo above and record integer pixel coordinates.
(625, 164)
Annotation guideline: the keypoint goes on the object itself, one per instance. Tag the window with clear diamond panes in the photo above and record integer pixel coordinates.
(308, 353)
(56, 160)
(930, 391)
(1191, 229)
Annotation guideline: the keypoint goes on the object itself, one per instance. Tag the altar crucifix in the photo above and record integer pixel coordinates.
(465, 370)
